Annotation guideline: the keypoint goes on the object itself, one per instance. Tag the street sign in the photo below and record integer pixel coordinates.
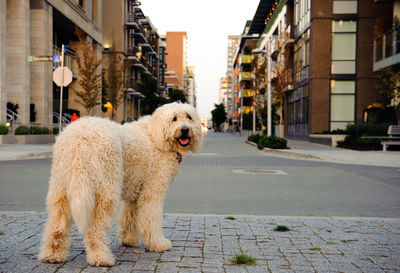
(62, 76)
(40, 58)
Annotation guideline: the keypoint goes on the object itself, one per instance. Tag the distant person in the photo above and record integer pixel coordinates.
(74, 117)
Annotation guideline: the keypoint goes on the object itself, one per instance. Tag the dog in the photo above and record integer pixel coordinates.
(100, 168)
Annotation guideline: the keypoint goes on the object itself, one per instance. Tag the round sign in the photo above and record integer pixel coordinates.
(61, 79)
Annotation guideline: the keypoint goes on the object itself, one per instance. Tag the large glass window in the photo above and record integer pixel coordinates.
(342, 103)
(344, 47)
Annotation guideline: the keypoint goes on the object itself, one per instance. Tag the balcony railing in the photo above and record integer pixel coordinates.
(387, 49)
(245, 59)
(245, 76)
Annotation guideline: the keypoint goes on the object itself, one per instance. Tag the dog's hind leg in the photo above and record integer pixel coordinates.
(98, 252)
(128, 234)
(55, 241)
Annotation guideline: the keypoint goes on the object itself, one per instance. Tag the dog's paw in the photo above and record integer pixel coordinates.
(52, 257)
(100, 258)
(129, 241)
(160, 245)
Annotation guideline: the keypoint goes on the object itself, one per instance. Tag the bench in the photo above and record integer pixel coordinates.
(393, 137)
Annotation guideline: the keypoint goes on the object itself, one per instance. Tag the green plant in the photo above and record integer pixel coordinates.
(3, 129)
(272, 142)
(159, 261)
(242, 259)
(56, 130)
(44, 130)
(22, 130)
(230, 218)
(281, 228)
(254, 138)
(34, 130)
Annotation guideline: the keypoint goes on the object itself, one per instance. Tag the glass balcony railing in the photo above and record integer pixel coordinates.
(387, 49)
(245, 76)
(245, 59)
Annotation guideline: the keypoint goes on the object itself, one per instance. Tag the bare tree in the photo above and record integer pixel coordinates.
(89, 77)
(260, 84)
(115, 83)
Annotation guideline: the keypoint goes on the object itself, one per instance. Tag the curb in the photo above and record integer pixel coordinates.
(287, 153)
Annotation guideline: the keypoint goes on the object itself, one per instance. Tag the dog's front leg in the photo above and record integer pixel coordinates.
(149, 219)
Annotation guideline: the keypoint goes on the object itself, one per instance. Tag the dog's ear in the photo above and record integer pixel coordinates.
(156, 130)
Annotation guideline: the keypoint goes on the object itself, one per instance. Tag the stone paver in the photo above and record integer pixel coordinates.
(206, 243)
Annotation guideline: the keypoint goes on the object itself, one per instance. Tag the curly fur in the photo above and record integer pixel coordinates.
(99, 165)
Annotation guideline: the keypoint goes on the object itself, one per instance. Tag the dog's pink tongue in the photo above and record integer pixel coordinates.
(184, 141)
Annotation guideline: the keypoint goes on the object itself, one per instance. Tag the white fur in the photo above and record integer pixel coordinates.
(98, 163)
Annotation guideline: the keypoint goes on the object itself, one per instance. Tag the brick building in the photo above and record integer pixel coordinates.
(328, 49)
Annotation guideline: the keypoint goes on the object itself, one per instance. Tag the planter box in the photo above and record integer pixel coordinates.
(35, 139)
(7, 139)
(330, 140)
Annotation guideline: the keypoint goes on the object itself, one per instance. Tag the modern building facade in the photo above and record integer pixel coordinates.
(328, 52)
(191, 85)
(233, 43)
(33, 29)
(136, 40)
(176, 57)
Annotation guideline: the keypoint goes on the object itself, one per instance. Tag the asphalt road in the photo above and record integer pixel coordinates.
(230, 177)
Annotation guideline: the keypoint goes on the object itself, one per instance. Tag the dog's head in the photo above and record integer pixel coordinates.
(176, 127)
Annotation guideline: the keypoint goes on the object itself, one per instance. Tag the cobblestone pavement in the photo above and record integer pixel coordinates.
(207, 243)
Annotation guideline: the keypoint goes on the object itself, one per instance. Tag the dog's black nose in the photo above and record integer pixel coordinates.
(185, 131)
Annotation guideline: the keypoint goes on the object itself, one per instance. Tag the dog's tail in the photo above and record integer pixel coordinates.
(82, 201)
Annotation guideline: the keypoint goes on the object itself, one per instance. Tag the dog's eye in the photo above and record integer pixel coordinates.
(188, 117)
(174, 119)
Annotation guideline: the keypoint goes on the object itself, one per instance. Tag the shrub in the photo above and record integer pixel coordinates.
(3, 129)
(34, 130)
(44, 130)
(22, 130)
(56, 130)
(254, 138)
(355, 132)
(272, 142)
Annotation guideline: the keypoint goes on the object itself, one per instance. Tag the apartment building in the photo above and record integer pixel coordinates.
(176, 59)
(191, 85)
(233, 42)
(31, 33)
(136, 40)
(328, 53)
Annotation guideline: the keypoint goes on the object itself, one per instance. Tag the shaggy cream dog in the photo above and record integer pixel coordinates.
(97, 163)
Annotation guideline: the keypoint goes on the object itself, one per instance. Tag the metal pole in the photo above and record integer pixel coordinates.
(254, 103)
(61, 88)
(269, 90)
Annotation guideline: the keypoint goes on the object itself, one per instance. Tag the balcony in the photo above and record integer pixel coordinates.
(245, 76)
(245, 59)
(247, 93)
(131, 21)
(387, 49)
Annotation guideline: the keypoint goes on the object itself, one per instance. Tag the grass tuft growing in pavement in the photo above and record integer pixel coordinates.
(159, 261)
(315, 249)
(230, 218)
(282, 228)
(242, 259)
(1, 233)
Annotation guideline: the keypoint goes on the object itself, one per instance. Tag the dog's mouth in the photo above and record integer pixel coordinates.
(183, 141)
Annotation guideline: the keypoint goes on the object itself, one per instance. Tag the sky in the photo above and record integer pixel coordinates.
(208, 24)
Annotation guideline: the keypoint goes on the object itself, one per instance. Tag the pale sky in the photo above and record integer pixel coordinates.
(208, 24)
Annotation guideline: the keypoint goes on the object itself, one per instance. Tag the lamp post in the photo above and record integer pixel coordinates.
(268, 71)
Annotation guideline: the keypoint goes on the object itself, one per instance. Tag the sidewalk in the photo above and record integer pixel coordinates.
(25, 151)
(312, 151)
(206, 243)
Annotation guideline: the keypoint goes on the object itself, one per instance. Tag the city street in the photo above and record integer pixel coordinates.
(229, 176)
(257, 190)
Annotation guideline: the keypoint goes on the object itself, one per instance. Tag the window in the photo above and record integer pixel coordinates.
(342, 103)
(344, 7)
(81, 3)
(343, 47)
